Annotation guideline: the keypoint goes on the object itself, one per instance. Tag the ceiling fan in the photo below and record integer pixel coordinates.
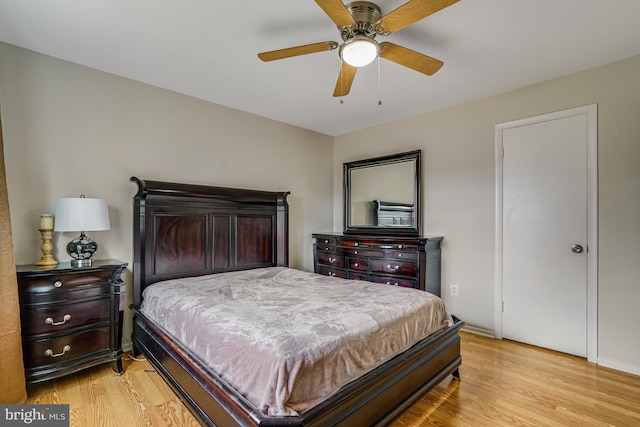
(359, 22)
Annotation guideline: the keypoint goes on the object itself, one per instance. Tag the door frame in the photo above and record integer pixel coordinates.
(591, 113)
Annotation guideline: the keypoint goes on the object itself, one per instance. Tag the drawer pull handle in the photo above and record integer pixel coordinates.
(332, 274)
(49, 352)
(332, 260)
(394, 268)
(399, 255)
(356, 264)
(326, 241)
(399, 246)
(65, 319)
(355, 244)
(326, 249)
(394, 284)
(57, 284)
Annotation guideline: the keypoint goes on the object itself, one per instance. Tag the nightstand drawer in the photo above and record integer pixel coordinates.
(62, 317)
(60, 349)
(68, 295)
(63, 282)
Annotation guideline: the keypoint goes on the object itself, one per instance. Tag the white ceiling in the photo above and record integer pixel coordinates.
(207, 49)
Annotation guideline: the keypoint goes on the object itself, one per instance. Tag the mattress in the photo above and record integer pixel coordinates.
(286, 339)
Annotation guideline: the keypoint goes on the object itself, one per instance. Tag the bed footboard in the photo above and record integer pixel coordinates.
(377, 398)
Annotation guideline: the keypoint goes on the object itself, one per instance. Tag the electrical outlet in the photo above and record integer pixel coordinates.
(453, 290)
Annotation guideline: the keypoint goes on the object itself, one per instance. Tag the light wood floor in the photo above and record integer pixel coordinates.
(503, 384)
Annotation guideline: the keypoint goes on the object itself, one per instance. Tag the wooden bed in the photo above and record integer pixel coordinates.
(183, 230)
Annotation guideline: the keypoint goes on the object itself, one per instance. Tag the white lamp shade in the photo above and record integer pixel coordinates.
(359, 51)
(81, 214)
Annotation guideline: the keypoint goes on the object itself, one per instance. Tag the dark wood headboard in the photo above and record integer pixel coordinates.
(182, 230)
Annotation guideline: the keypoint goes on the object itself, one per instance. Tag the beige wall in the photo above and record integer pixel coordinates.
(70, 130)
(459, 192)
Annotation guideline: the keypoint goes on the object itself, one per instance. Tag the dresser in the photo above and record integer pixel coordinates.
(402, 261)
(71, 317)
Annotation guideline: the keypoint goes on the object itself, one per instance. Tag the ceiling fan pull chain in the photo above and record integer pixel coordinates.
(341, 91)
(379, 85)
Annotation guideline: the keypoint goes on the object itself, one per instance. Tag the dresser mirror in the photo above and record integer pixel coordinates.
(382, 195)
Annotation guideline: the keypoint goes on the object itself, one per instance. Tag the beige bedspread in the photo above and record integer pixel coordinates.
(288, 339)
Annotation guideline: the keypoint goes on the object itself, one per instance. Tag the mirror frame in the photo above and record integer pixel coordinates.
(381, 161)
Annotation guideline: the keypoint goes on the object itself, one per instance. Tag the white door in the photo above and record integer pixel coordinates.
(545, 242)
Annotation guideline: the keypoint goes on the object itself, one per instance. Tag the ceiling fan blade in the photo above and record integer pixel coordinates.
(410, 12)
(409, 58)
(337, 12)
(297, 51)
(345, 79)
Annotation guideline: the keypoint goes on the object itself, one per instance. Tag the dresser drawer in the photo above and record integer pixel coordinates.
(362, 252)
(397, 268)
(358, 264)
(353, 243)
(402, 256)
(331, 259)
(332, 272)
(358, 276)
(62, 317)
(397, 245)
(326, 241)
(376, 244)
(325, 248)
(60, 349)
(407, 283)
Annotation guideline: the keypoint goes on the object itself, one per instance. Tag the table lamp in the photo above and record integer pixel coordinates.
(81, 214)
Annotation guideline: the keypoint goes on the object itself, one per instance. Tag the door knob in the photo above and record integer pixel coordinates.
(576, 249)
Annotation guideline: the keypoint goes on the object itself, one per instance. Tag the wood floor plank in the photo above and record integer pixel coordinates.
(503, 384)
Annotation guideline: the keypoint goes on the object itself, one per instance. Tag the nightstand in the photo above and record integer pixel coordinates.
(71, 317)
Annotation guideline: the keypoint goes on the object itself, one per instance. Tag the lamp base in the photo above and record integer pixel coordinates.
(81, 250)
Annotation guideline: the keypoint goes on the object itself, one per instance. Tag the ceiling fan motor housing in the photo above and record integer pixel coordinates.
(365, 14)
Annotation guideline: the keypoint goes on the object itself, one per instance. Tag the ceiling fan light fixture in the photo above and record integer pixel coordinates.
(359, 51)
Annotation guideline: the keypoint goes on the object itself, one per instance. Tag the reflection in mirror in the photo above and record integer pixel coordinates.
(387, 183)
(382, 194)
(391, 214)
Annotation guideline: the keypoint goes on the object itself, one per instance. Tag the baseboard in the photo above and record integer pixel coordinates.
(635, 370)
(478, 331)
(127, 347)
